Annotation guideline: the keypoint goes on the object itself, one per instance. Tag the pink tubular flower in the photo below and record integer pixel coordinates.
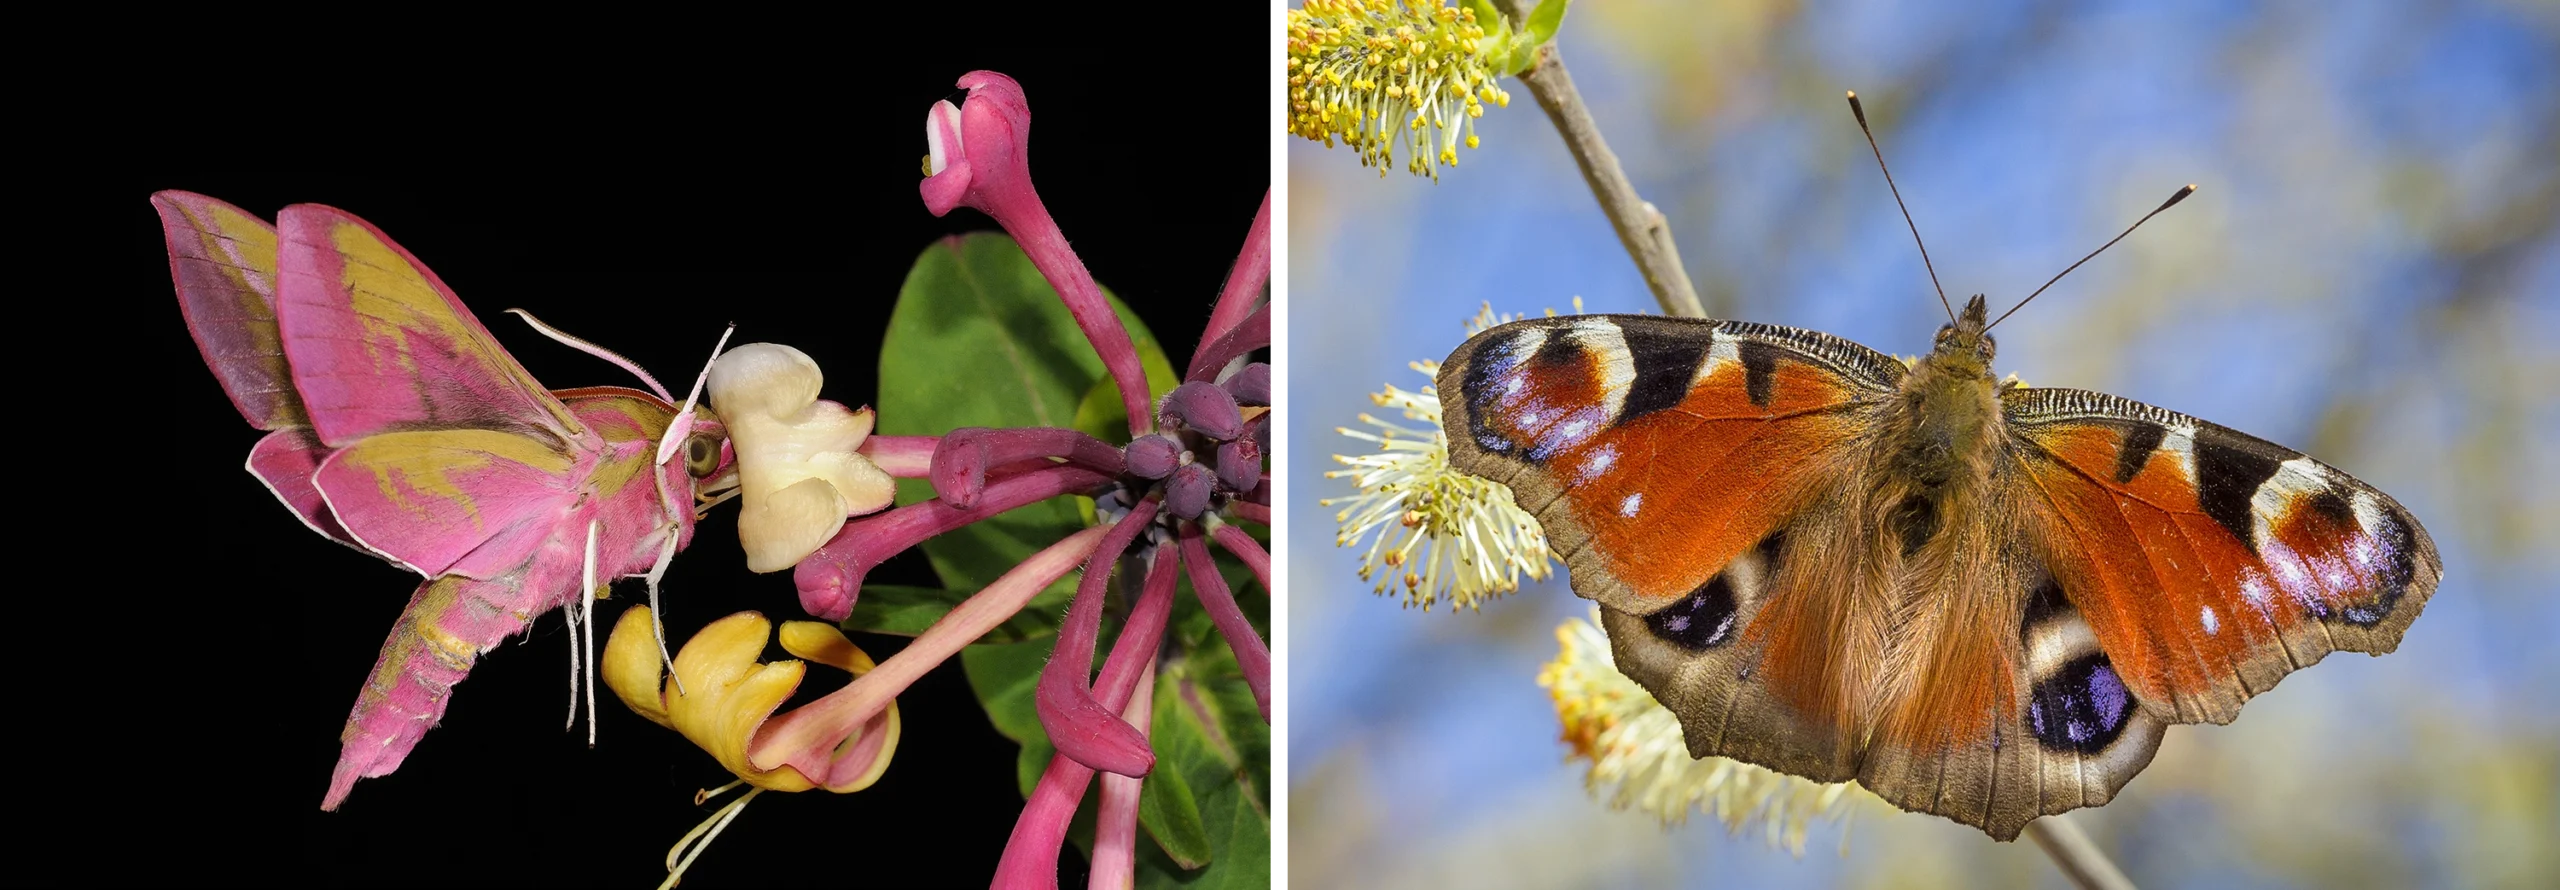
(981, 158)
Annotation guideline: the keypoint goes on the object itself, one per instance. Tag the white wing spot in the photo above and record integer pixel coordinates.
(2212, 623)
(1627, 508)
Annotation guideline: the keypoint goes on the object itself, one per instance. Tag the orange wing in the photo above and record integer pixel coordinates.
(2207, 562)
(1655, 450)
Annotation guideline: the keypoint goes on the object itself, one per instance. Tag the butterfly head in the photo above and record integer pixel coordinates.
(1964, 346)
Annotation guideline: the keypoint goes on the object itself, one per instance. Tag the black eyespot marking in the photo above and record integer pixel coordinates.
(1700, 621)
(2229, 470)
(2140, 439)
(2082, 707)
(2399, 568)
(1486, 372)
(701, 455)
(1759, 370)
(1915, 521)
(1664, 363)
(2328, 504)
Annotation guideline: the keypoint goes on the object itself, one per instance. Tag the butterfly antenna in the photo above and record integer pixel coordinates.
(1861, 112)
(2128, 230)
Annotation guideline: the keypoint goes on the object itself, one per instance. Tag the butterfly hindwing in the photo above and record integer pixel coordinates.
(2210, 563)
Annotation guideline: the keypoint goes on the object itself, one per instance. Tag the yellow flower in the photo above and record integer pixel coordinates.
(798, 472)
(1639, 761)
(726, 694)
(1444, 534)
(1378, 72)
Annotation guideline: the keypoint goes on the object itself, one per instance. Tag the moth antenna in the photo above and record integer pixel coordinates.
(1861, 112)
(588, 610)
(2181, 195)
(682, 425)
(574, 342)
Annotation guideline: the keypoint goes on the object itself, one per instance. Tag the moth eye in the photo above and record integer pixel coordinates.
(701, 455)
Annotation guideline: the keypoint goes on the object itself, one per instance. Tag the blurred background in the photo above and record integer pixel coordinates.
(2370, 273)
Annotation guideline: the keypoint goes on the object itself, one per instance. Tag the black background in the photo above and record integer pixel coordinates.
(237, 638)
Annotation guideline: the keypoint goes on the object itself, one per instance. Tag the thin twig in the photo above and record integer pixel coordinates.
(2080, 859)
(1641, 227)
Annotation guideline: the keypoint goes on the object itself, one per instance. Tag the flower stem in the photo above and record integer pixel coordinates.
(830, 578)
(1115, 843)
(1081, 727)
(1254, 332)
(807, 736)
(1245, 282)
(1251, 654)
(1031, 853)
(905, 457)
(1047, 246)
(1236, 541)
(962, 459)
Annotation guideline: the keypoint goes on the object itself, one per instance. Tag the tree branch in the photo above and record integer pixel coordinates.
(1641, 227)
(2080, 859)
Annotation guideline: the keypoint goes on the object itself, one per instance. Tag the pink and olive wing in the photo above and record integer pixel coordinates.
(2209, 563)
(449, 623)
(378, 344)
(223, 260)
(478, 503)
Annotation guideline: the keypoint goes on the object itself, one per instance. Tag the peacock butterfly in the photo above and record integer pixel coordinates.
(1979, 599)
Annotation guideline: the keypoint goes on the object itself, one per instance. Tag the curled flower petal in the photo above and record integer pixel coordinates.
(799, 475)
(1206, 408)
(1153, 456)
(1080, 726)
(961, 460)
(727, 694)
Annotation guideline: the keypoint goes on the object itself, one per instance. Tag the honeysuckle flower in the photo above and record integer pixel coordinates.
(980, 157)
(799, 473)
(726, 695)
(1443, 534)
(1639, 761)
(1375, 73)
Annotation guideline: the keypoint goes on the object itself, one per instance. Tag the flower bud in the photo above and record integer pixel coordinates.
(1202, 406)
(1153, 456)
(1251, 386)
(1187, 494)
(1240, 465)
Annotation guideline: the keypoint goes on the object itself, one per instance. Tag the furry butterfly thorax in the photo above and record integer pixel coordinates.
(1978, 599)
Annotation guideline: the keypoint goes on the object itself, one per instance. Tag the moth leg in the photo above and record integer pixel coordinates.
(657, 628)
(587, 613)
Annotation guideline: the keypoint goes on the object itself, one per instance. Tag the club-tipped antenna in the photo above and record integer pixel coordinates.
(1861, 112)
(2128, 230)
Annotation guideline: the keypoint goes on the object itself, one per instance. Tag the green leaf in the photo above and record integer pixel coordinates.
(1226, 764)
(1487, 17)
(1543, 20)
(907, 611)
(980, 339)
(1004, 676)
(1166, 807)
(1102, 414)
